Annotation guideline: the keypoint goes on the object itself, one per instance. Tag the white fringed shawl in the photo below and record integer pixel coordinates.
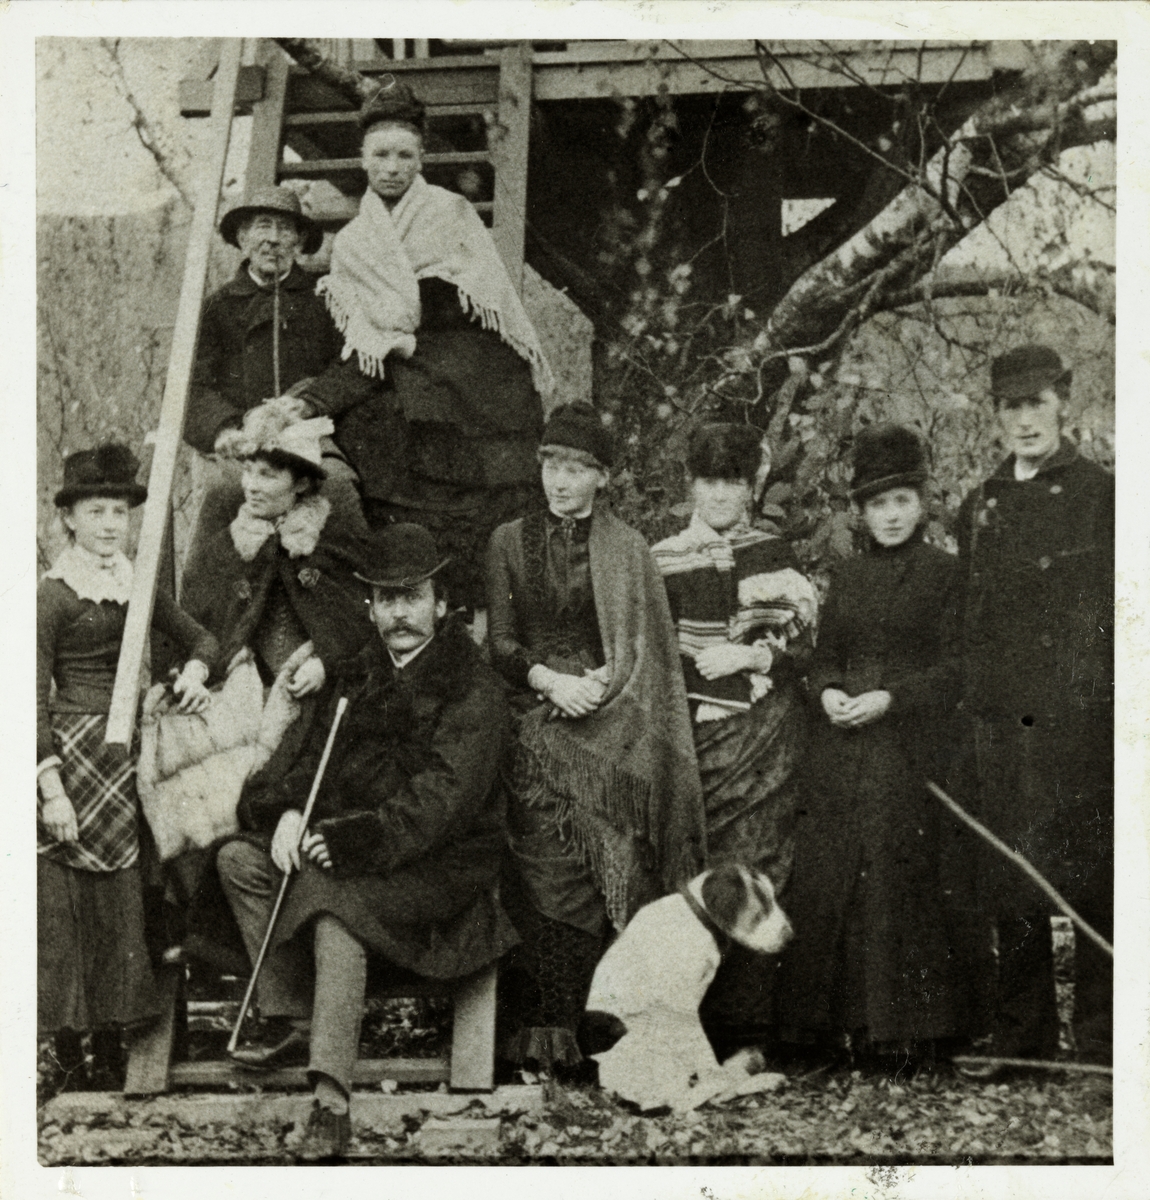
(379, 257)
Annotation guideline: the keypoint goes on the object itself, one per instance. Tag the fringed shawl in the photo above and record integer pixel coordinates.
(625, 775)
(379, 257)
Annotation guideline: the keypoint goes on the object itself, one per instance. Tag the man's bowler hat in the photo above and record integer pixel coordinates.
(399, 556)
(1024, 372)
(273, 200)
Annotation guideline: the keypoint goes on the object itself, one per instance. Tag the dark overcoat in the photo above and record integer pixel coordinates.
(234, 367)
(411, 809)
(865, 896)
(1037, 570)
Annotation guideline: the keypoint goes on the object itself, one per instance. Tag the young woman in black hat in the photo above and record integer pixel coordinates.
(868, 966)
(93, 971)
(437, 400)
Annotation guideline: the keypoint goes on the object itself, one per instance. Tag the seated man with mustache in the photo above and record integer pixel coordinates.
(402, 852)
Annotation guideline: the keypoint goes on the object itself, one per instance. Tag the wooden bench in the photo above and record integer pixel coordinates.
(470, 1065)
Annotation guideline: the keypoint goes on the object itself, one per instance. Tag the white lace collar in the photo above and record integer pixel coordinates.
(93, 577)
(298, 529)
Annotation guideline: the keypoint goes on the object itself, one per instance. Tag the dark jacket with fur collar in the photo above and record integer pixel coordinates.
(410, 800)
(227, 586)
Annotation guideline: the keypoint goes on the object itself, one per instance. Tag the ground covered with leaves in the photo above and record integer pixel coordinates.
(846, 1117)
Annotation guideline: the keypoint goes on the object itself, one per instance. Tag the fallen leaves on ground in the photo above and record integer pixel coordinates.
(841, 1118)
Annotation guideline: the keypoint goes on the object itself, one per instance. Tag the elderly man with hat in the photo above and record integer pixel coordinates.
(1036, 562)
(403, 849)
(262, 335)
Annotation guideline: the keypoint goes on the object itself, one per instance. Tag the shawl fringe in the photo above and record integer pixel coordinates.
(379, 257)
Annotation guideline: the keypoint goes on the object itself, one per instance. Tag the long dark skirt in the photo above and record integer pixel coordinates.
(92, 964)
(872, 955)
(747, 764)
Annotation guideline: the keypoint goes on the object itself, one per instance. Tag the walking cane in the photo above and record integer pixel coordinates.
(276, 333)
(340, 709)
(1022, 864)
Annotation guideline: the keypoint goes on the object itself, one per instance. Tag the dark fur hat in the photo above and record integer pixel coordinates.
(397, 104)
(107, 470)
(578, 427)
(725, 450)
(885, 457)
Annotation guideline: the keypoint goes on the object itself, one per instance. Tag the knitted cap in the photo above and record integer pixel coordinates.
(578, 427)
(728, 450)
(1024, 372)
(885, 457)
(394, 103)
(107, 471)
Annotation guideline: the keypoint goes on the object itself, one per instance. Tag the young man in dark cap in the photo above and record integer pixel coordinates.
(606, 811)
(261, 335)
(1036, 561)
(402, 852)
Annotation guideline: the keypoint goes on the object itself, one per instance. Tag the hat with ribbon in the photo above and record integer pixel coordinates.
(1024, 372)
(106, 471)
(885, 457)
(273, 432)
(272, 200)
(399, 556)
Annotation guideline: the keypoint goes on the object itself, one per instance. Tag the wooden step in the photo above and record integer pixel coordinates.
(351, 117)
(339, 212)
(311, 167)
(220, 1073)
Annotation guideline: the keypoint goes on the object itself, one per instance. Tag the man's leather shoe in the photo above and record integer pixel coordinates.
(326, 1136)
(292, 1050)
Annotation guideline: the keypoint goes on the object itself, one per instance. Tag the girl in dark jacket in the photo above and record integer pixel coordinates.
(93, 971)
(869, 962)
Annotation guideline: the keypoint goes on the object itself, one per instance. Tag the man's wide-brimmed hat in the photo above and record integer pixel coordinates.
(273, 200)
(399, 556)
(108, 471)
(1025, 371)
(272, 432)
(885, 457)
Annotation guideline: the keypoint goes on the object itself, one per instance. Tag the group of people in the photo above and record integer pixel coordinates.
(633, 715)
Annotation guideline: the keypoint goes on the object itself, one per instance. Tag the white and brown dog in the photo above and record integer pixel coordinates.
(646, 991)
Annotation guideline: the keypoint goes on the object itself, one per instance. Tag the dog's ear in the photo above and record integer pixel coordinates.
(725, 895)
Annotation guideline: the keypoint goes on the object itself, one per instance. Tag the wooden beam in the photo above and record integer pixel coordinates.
(150, 1051)
(352, 115)
(196, 94)
(509, 153)
(219, 1074)
(309, 167)
(473, 1033)
(126, 692)
(267, 120)
(690, 68)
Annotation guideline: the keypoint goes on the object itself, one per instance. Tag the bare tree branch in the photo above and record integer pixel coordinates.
(351, 84)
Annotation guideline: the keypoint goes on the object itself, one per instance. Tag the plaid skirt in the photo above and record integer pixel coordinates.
(101, 783)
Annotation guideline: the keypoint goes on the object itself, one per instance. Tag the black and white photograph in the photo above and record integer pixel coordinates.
(587, 590)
